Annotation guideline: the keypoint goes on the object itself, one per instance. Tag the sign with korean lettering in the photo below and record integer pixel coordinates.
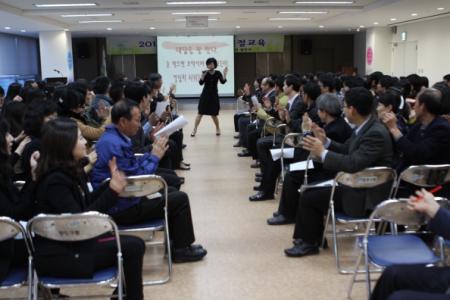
(129, 45)
(259, 43)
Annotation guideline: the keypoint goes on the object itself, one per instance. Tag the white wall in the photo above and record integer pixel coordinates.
(379, 39)
(56, 53)
(433, 46)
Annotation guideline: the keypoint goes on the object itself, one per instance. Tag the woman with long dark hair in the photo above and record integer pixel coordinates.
(209, 99)
(61, 187)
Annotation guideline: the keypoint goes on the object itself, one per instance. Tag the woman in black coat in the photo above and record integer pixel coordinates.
(13, 203)
(209, 99)
(61, 187)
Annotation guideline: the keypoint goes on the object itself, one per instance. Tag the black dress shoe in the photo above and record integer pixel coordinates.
(237, 145)
(279, 220)
(184, 146)
(255, 165)
(257, 188)
(258, 179)
(261, 196)
(188, 254)
(302, 249)
(258, 175)
(244, 153)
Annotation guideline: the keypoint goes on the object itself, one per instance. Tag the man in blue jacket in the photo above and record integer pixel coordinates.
(116, 142)
(406, 282)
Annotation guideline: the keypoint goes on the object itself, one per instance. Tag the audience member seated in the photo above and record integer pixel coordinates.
(37, 114)
(61, 188)
(142, 143)
(102, 103)
(71, 102)
(369, 146)
(267, 110)
(268, 94)
(389, 103)
(428, 141)
(412, 282)
(329, 111)
(13, 203)
(270, 169)
(116, 142)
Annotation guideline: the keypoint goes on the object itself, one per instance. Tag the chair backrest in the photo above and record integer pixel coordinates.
(9, 228)
(294, 140)
(143, 185)
(426, 175)
(71, 227)
(19, 184)
(367, 178)
(396, 211)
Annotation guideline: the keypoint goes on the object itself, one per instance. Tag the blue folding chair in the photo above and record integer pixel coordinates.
(18, 277)
(393, 249)
(75, 228)
(147, 186)
(370, 178)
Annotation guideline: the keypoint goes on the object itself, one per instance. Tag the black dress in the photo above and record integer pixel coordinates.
(209, 99)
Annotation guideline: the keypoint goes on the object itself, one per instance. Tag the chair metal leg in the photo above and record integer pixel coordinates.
(355, 273)
(30, 278)
(366, 261)
(169, 261)
(35, 286)
(326, 228)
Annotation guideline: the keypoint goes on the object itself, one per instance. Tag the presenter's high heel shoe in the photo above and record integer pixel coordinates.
(218, 132)
(193, 133)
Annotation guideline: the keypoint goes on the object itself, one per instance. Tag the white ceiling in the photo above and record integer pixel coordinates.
(252, 16)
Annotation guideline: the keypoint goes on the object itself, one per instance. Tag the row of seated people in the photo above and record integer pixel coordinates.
(360, 127)
(65, 173)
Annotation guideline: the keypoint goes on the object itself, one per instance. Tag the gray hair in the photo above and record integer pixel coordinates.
(330, 104)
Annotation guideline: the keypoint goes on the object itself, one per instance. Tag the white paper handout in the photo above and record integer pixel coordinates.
(287, 153)
(301, 166)
(173, 126)
(161, 107)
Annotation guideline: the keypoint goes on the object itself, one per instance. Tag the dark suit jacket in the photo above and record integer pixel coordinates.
(59, 193)
(425, 146)
(372, 147)
(296, 113)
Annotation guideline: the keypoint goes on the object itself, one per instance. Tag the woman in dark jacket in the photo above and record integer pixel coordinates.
(61, 187)
(13, 203)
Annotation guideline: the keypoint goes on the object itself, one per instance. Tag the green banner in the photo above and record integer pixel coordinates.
(131, 45)
(258, 43)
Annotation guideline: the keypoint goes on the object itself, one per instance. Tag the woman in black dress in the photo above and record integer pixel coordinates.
(209, 99)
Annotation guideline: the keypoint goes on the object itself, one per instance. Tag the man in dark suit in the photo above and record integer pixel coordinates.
(271, 169)
(370, 145)
(337, 129)
(427, 142)
(412, 282)
(268, 94)
(292, 116)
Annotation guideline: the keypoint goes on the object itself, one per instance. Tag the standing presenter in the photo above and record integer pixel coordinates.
(209, 99)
